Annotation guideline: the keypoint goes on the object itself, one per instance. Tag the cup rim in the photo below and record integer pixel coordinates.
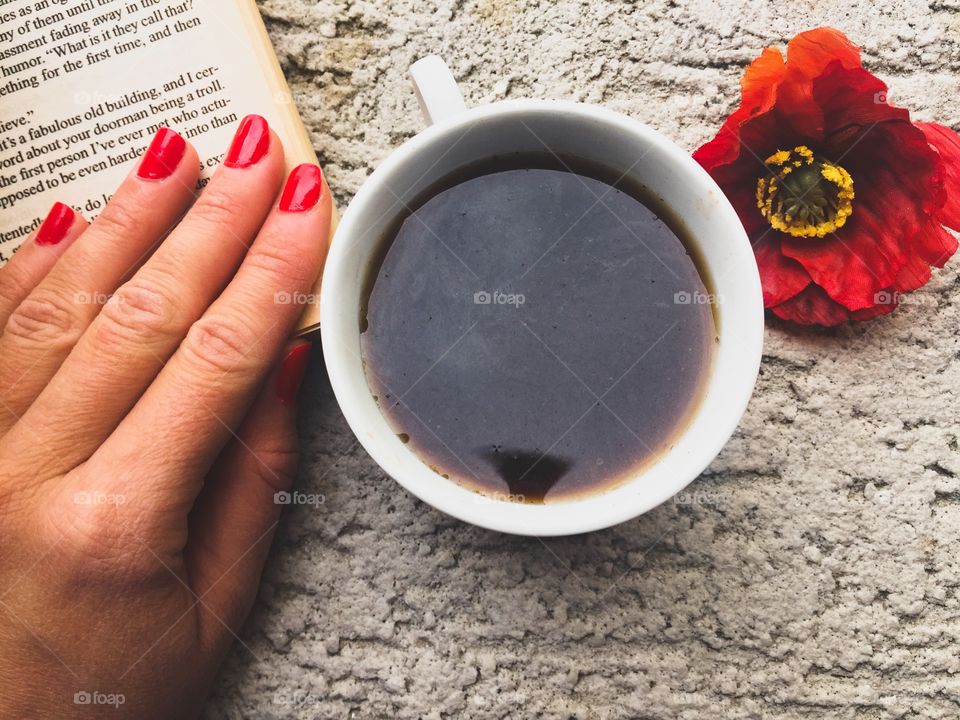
(553, 519)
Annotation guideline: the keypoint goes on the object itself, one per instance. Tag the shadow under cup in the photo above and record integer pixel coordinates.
(624, 148)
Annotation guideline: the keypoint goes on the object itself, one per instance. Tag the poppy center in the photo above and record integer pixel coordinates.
(804, 195)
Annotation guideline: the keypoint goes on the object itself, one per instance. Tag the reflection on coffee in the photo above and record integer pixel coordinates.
(535, 331)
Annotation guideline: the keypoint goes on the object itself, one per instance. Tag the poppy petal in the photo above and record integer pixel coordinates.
(853, 264)
(810, 52)
(812, 306)
(755, 134)
(781, 277)
(935, 245)
(853, 101)
(947, 143)
(897, 180)
(808, 56)
(745, 203)
(914, 274)
(906, 186)
(758, 87)
(798, 113)
(889, 303)
(723, 149)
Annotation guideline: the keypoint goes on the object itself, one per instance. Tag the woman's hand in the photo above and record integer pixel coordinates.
(143, 435)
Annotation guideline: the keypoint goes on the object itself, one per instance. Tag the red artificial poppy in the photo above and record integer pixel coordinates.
(843, 197)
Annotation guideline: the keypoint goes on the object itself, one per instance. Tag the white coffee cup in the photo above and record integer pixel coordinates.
(457, 137)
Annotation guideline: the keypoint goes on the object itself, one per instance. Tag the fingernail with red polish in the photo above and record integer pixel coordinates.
(291, 374)
(55, 226)
(162, 157)
(250, 143)
(303, 189)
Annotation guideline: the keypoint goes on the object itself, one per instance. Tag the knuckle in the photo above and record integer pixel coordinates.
(216, 207)
(283, 269)
(96, 530)
(14, 282)
(118, 218)
(45, 318)
(276, 466)
(220, 345)
(142, 308)
(97, 537)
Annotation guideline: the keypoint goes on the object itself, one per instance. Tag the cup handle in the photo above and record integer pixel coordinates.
(437, 91)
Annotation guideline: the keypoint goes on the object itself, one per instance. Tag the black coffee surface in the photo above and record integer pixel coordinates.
(535, 332)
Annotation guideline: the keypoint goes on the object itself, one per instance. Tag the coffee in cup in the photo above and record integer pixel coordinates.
(537, 327)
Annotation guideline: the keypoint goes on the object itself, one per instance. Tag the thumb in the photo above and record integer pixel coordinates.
(233, 521)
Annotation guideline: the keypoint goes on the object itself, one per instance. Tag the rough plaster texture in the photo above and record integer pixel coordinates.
(815, 575)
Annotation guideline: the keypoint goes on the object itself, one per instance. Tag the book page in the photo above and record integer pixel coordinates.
(84, 85)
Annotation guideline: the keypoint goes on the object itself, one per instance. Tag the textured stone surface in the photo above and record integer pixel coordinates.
(815, 574)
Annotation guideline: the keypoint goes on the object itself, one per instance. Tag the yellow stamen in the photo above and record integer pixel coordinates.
(778, 158)
(805, 196)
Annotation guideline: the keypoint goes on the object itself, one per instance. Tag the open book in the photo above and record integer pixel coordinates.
(84, 84)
